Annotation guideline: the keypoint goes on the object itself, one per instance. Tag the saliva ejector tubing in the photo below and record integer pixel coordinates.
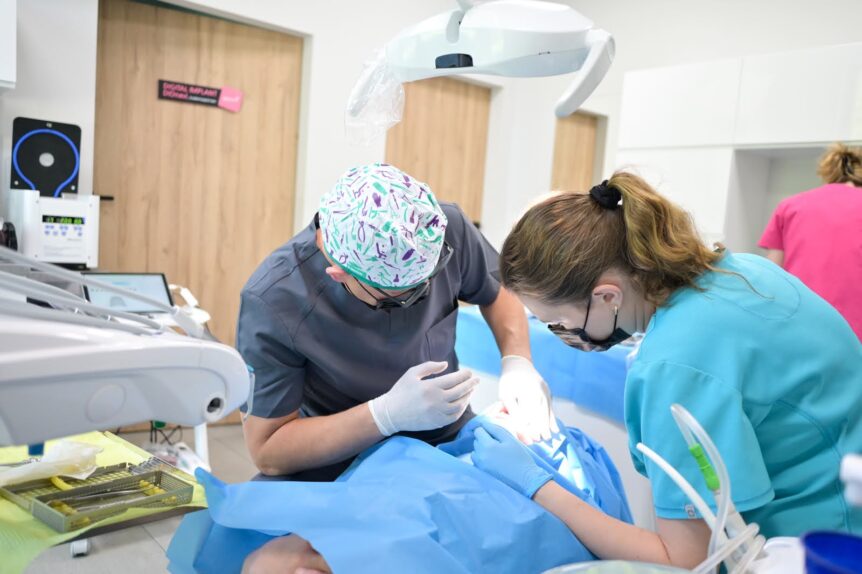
(732, 541)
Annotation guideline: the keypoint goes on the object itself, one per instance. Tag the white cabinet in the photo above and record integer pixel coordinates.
(680, 106)
(728, 139)
(8, 26)
(807, 96)
(812, 95)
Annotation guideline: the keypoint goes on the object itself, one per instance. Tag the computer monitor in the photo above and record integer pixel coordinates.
(152, 285)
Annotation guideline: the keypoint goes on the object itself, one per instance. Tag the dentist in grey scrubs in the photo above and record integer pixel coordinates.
(349, 329)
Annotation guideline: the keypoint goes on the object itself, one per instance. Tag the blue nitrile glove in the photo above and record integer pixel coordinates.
(500, 454)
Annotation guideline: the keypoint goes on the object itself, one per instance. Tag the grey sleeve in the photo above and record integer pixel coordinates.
(279, 371)
(479, 262)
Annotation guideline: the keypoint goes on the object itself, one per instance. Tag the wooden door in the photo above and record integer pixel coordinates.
(574, 152)
(201, 194)
(442, 139)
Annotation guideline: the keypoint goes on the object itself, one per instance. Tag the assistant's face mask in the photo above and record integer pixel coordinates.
(579, 339)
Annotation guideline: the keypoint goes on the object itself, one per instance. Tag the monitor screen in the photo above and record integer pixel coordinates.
(152, 285)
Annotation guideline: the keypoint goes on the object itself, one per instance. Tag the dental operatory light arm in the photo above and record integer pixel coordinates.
(517, 38)
(69, 366)
(513, 38)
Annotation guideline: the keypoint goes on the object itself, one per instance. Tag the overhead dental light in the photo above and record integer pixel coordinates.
(516, 38)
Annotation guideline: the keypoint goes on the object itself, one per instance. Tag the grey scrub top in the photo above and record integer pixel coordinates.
(316, 348)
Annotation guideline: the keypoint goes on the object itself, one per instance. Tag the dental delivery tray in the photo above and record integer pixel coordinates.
(109, 491)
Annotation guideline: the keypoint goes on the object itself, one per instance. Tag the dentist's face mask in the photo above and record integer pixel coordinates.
(579, 339)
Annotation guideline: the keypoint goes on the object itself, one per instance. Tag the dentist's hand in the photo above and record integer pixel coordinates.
(417, 403)
(505, 458)
(526, 397)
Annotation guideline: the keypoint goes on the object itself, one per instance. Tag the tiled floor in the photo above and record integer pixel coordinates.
(141, 550)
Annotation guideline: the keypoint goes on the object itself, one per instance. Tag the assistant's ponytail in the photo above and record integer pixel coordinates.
(559, 249)
(663, 249)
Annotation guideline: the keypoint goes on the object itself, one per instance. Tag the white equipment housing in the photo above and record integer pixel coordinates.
(520, 38)
(73, 366)
(61, 230)
(57, 379)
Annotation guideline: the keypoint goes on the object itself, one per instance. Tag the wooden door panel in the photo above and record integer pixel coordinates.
(574, 152)
(201, 194)
(442, 139)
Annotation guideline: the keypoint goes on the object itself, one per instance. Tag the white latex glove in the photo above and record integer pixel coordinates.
(526, 397)
(417, 403)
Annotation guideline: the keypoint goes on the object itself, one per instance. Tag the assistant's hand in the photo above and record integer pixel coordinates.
(526, 397)
(417, 403)
(505, 458)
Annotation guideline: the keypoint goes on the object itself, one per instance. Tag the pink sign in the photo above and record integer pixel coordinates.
(230, 99)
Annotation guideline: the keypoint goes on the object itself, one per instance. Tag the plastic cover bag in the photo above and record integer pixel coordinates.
(376, 102)
(66, 458)
(405, 506)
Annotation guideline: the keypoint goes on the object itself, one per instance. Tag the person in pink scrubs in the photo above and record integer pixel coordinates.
(817, 235)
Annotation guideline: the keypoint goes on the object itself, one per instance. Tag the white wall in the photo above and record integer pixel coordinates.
(56, 55)
(789, 174)
(746, 201)
(8, 32)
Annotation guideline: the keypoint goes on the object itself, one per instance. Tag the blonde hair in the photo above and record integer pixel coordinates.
(559, 249)
(841, 164)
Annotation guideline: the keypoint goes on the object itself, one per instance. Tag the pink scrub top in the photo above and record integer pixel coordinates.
(820, 232)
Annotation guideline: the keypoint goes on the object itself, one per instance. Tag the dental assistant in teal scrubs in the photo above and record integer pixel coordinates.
(771, 371)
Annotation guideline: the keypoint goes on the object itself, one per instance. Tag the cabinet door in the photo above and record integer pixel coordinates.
(807, 96)
(690, 105)
(442, 139)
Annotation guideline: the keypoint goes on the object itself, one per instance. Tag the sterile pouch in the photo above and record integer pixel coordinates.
(376, 102)
(64, 458)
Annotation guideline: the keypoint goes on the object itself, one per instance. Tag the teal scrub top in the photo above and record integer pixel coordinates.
(774, 374)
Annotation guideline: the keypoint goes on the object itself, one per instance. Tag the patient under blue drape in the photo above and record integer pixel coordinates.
(405, 506)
